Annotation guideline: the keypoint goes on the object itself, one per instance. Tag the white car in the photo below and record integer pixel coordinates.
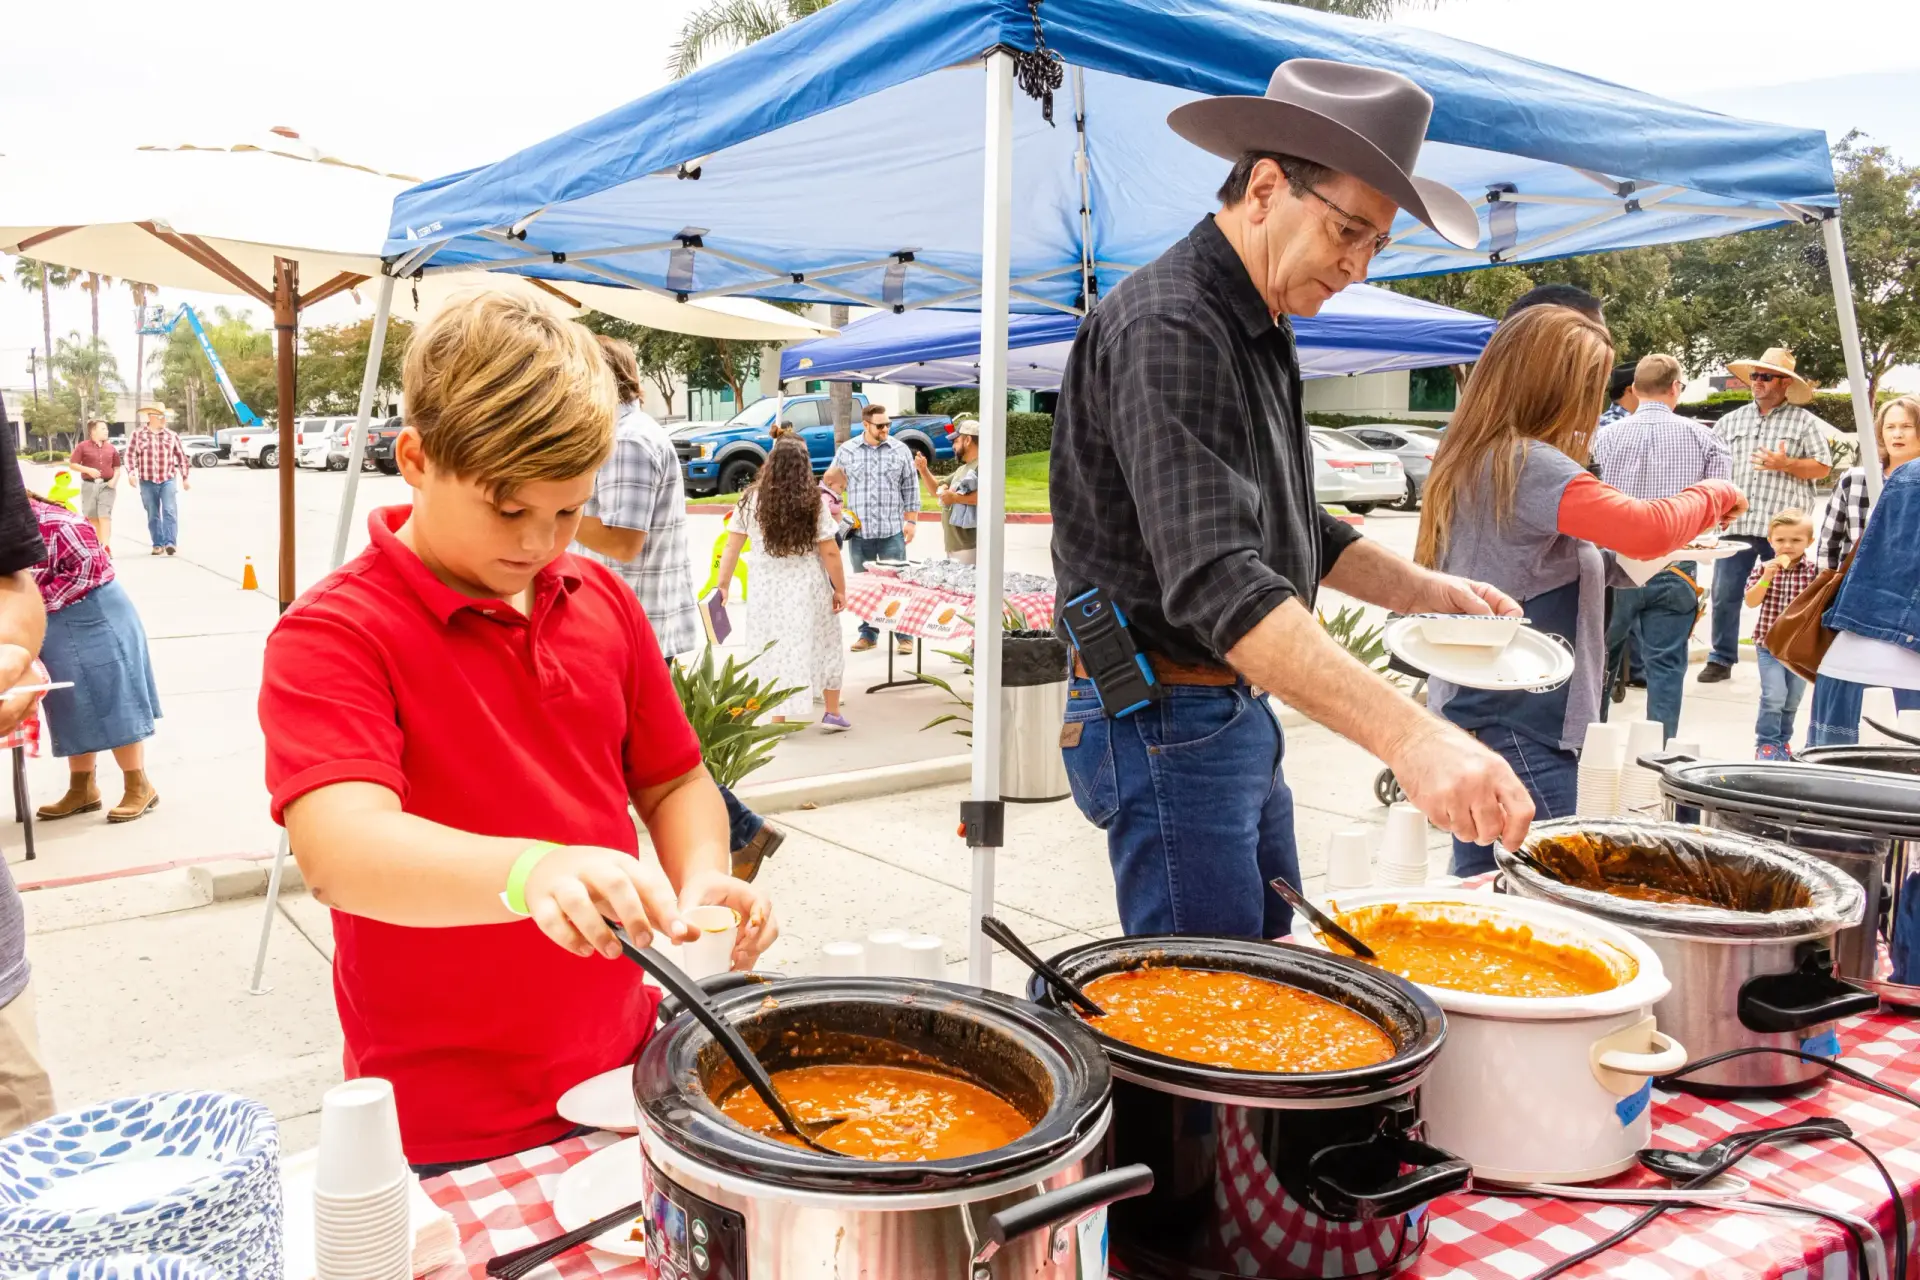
(201, 450)
(323, 443)
(260, 446)
(1348, 475)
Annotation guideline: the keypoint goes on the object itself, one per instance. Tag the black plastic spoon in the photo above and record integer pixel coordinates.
(1062, 985)
(695, 1000)
(1321, 920)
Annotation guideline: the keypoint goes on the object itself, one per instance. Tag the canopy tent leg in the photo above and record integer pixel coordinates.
(1850, 344)
(983, 816)
(369, 382)
(286, 322)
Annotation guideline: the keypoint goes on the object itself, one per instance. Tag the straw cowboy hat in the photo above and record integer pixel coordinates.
(1777, 360)
(1355, 120)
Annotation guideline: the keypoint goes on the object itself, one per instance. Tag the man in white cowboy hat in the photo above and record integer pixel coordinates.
(1778, 451)
(1182, 490)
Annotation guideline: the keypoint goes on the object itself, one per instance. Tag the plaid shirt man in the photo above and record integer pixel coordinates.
(75, 565)
(1655, 453)
(155, 457)
(1846, 518)
(881, 486)
(1786, 584)
(1769, 492)
(640, 487)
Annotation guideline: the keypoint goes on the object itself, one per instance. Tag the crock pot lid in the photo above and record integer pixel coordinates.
(1369, 991)
(1878, 758)
(1811, 794)
(695, 1126)
(1695, 856)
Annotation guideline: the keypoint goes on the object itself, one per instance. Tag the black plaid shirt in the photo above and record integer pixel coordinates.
(1182, 473)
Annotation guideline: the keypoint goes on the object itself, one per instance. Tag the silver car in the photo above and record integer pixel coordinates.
(1353, 476)
(1414, 446)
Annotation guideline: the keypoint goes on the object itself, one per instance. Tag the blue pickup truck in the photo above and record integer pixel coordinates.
(724, 457)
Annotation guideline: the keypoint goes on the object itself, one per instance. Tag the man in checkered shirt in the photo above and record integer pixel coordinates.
(875, 475)
(1778, 450)
(1653, 452)
(159, 465)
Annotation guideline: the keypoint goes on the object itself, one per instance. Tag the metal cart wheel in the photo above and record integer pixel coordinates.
(1386, 788)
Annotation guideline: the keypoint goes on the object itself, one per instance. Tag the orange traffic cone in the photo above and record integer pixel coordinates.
(248, 582)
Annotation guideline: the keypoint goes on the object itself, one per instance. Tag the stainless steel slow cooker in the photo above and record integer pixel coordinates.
(1865, 822)
(1262, 1174)
(725, 1203)
(1902, 866)
(1756, 970)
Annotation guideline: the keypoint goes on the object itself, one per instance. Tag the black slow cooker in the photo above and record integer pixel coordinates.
(1270, 1174)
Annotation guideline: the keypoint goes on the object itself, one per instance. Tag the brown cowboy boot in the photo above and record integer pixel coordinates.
(140, 797)
(82, 797)
(747, 858)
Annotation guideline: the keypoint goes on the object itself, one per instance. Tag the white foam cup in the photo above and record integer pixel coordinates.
(1644, 738)
(842, 960)
(1349, 861)
(887, 953)
(710, 951)
(1405, 841)
(1605, 746)
(359, 1140)
(926, 957)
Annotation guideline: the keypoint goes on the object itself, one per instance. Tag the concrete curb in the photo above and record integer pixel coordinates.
(857, 784)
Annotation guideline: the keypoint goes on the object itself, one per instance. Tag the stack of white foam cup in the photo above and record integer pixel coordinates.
(1639, 785)
(1601, 761)
(361, 1186)
(1403, 849)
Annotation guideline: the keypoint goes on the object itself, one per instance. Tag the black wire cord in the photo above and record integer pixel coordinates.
(1857, 1076)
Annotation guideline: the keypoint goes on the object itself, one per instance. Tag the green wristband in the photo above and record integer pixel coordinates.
(516, 892)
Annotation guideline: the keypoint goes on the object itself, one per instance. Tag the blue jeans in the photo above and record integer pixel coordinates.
(1197, 815)
(1835, 720)
(1550, 775)
(743, 824)
(1780, 694)
(162, 502)
(1729, 597)
(1658, 621)
(892, 547)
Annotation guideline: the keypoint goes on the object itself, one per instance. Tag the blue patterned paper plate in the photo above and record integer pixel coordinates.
(125, 1267)
(192, 1173)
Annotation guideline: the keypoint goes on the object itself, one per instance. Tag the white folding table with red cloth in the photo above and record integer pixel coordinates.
(932, 613)
(507, 1204)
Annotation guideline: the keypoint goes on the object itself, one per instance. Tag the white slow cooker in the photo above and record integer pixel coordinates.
(1541, 1090)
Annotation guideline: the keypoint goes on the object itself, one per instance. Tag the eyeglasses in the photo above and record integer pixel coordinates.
(1356, 233)
(1765, 377)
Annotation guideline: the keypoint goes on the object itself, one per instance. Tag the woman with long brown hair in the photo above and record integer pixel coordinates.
(798, 586)
(1510, 502)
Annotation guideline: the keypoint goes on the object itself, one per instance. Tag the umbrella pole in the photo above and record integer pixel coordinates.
(356, 455)
(1850, 346)
(286, 320)
(984, 815)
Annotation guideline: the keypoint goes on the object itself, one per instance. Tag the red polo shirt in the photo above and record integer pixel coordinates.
(502, 725)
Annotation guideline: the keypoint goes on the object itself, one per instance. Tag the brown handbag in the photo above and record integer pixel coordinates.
(1799, 639)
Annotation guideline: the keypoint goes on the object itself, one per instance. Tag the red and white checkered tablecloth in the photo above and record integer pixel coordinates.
(506, 1204)
(920, 613)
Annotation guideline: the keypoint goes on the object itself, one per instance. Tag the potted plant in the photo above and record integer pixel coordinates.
(724, 706)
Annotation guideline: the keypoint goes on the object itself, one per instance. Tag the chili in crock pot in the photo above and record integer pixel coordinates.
(1480, 957)
(894, 1113)
(1234, 1020)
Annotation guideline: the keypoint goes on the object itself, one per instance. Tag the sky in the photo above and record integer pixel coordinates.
(428, 97)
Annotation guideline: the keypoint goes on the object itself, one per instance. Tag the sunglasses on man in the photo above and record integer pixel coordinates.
(1765, 377)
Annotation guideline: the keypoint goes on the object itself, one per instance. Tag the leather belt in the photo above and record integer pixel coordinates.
(1167, 671)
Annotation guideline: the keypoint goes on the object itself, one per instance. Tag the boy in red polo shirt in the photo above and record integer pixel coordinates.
(456, 723)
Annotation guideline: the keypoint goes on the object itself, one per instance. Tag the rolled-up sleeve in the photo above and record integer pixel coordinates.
(1183, 448)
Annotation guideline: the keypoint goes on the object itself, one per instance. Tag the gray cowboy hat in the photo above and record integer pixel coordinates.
(1355, 120)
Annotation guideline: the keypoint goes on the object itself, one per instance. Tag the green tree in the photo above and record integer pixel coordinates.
(43, 278)
(665, 358)
(1770, 288)
(185, 384)
(89, 372)
(334, 360)
(723, 362)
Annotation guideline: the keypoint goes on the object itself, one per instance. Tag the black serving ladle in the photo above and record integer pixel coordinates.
(1321, 920)
(1063, 986)
(695, 1000)
(1898, 735)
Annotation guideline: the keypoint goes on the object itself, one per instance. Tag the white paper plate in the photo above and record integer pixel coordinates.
(1531, 662)
(604, 1181)
(1642, 570)
(111, 1186)
(604, 1102)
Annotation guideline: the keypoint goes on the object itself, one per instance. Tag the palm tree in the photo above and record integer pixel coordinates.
(32, 274)
(141, 292)
(90, 370)
(93, 284)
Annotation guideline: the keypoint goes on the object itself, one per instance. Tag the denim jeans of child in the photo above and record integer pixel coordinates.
(1780, 694)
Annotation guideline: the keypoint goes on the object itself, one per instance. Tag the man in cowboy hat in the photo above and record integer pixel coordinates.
(1183, 490)
(1778, 451)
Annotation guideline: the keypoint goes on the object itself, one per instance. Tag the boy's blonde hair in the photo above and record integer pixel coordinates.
(1790, 516)
(504, 393)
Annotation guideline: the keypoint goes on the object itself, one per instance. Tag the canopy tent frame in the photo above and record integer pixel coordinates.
(998, 288)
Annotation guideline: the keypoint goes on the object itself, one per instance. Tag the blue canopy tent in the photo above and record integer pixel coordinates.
(747, 177)
(1361, 330)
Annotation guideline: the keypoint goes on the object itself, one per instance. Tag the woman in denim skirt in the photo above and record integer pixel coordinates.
(94, 638)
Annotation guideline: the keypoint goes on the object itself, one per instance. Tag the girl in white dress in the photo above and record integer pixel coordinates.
(798, 585)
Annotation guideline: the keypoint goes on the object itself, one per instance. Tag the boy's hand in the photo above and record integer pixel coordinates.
(573, 891)
(758, 928)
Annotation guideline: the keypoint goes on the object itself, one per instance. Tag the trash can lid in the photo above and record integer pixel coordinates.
(1879, 803)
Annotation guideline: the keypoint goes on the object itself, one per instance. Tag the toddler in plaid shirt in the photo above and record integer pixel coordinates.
(1772, 586)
